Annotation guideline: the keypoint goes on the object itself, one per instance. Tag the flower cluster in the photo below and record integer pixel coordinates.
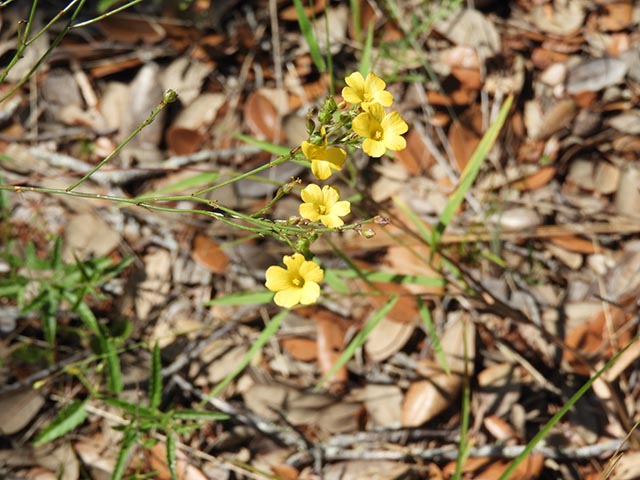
(365, 124)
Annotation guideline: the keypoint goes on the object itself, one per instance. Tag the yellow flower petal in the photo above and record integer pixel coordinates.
(354, 92)
(330, 195)
(331, 221)
(321, 169)
(373, 148)
(311, 193)
(341, 208)
(395, 142)
(376, 111)
(309, 211)
(394, 123)
(309, 293)
(288, 298)
(311, 272)
(277, 278)
(362, 125)
(293, 262)
(336, 156)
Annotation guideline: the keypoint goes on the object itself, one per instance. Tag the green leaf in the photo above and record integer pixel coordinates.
(84, 312)
(49, 312)
(194, 181)
(470, 172)
(262, 144)
(171, 454)
(69, 418)
(365, 59)
(189, 414)
(114, 373)
(56, 255)
(307, 33)
(243, 298)
(358, 340)
(155, 381)
(546, 429)
(135, 410)
(265, 335)
(425, 315)
(129, 439)
(332, 278)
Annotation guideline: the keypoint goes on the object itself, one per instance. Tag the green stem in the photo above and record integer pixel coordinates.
(266, 166)
(169, 96)
(42, 59)
(106, 15)
(22, 44)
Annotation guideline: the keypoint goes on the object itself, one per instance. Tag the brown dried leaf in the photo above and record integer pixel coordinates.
(188, 131)
(427, 398)
(416, 158)
(303, 349)
(130, 30)
(18, 408)
(576, 244)
(330, 343)
(208, 253)
(184, 470)
(464, 136)
(617, 16)
(388, 338)
(604, 333)
(536, 180)
(262, 118)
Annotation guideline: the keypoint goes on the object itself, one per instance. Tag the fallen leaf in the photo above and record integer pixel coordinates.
(208, 253)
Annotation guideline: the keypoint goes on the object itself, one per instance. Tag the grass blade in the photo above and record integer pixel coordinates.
(155, 381)
(358, 340)
(307, 32)
(242, 298)
(544, 431)
(128, 441)
(171, 454)
(267, 333)
(470, 172)
(191, 414)
(69, 418)
(114, 373)
(425, 315)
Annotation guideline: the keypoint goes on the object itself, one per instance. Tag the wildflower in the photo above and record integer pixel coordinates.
(298, 283)
(365, 92)
(379, 130)
(323, 205)
(323, 160)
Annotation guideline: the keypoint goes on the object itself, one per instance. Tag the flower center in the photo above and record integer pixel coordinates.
(322, 209)
(378, 134)
(297, 281)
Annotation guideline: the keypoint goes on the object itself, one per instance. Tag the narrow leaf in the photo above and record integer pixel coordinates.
(307, 33)
(243, 298)
(155, 381)
(359, 340)
(264, 145)
(171, 454)
(189, 414)
(267, 333)
(425, 315)
(470, 172)
(69, 418)
(128, 441)
(114, 373)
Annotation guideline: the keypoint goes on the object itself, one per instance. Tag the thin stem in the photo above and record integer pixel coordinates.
(106, 15)
(266, 166)
(42, 59)
(169, 96)
(22, 44)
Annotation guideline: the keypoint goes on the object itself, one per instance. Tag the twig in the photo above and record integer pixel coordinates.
(31, 379)
(284, 436)
(169, 96)
(450, 452)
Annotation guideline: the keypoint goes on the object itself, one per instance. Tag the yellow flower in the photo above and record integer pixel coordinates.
(323, 160)
(298, 283)
(365, 92)
(323, 205)
(379, 130)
